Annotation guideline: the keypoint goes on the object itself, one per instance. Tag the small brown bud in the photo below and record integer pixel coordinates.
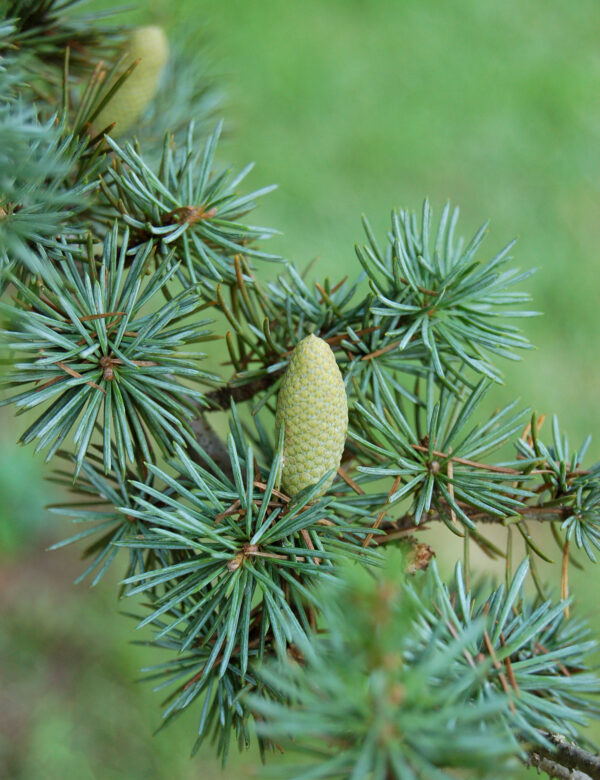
(397, 694)
(421, 557)
(236, 562)
(106, 362)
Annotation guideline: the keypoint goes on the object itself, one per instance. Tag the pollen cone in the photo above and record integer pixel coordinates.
(313, 408)
(150, 46)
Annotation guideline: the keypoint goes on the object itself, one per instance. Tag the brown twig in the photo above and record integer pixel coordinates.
(498, 667)
(77, 375)
(491, 467)
(349, 481)
(405, 524)
(222, 397)
(309, 544)
(381, 515)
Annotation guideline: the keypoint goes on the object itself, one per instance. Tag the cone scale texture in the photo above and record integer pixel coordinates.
(149, 45)
(313, 408)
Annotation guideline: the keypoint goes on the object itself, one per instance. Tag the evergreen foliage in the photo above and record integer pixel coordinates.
(118, 258)
(438, 677)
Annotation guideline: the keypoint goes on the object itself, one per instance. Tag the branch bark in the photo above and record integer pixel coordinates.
(574, 762)
(406, 523)
(212, 444)
(222, 397)
(221, 400)
(554, 769)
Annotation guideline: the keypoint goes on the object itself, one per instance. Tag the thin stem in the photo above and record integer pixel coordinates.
(489, 467)
(406, 523)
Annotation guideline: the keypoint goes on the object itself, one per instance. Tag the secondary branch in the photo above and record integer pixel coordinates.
(406, 523)
(579, 764)
(222, 397)
(211, 443)
(554, 769)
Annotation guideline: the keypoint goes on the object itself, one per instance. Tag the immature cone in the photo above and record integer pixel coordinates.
(150, 46)
(313, 408)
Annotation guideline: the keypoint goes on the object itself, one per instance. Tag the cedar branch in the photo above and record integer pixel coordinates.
(573, 761)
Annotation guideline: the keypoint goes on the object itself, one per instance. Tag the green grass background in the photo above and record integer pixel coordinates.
(351, 106)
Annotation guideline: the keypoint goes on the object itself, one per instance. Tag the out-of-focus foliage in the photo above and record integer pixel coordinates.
(409, 679)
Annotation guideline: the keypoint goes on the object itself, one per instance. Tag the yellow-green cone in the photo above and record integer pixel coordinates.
(150, 46)
(313, 408)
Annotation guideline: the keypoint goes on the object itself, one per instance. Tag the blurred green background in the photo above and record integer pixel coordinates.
(351, 106)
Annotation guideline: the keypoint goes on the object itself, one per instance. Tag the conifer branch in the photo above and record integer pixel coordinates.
(111, 255)
(405, 524)
(222, 398)
(565, 759)
(553, 768)
(210, 442)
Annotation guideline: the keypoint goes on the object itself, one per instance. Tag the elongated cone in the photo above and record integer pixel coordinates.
(313, 408)
(150, 46)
